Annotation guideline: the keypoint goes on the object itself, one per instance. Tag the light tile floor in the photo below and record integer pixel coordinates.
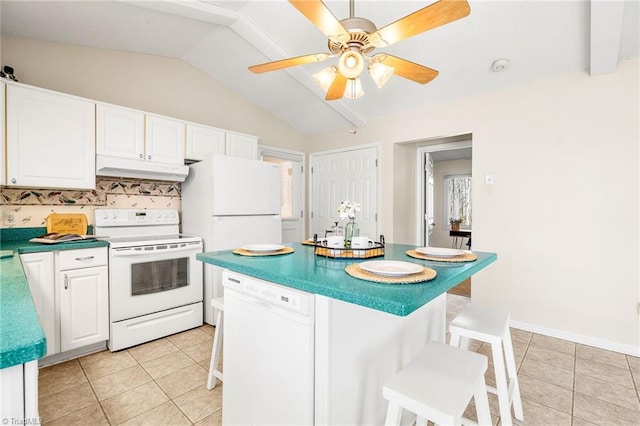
(164, 383)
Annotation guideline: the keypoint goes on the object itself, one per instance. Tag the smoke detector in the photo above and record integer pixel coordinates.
(500, 65)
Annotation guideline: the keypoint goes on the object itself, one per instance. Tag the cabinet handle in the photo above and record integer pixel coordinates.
(66, 281)
(82, 259)
(13, 180)
(140, 155)
(148, 157)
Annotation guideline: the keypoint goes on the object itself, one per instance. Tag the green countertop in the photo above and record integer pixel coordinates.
(21, 336)
(305, 271)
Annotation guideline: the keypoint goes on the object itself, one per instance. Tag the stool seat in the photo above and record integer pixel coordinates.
(492, 326)
(485, 321)
(217, 303)
(437, 385)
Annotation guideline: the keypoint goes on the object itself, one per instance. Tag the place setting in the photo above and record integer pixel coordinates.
(263, 250)
(442, 254)
(390, 272)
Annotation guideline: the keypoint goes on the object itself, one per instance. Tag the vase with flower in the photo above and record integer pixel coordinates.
(348, 209)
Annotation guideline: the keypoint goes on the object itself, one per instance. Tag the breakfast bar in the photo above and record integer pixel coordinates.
(361, 332)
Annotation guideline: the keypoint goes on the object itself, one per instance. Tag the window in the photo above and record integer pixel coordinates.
(286, 186)
(458, 199)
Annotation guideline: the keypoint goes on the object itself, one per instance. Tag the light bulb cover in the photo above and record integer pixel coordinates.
(325, 77)
(380, 73)
(353, 89)
(351, 64)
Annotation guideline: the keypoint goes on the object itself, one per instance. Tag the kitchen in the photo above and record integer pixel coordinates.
(573, 114)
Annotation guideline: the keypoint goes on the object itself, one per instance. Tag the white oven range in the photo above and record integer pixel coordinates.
(155, 281)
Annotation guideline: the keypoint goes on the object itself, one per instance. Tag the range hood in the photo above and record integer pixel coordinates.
(124, 167)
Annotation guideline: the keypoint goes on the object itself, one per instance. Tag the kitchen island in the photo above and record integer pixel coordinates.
(362, 332)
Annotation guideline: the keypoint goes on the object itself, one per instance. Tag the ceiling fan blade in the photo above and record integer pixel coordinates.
(336, 90)
(321, 17)
(285, 63)
(427, 18)
(407, 69)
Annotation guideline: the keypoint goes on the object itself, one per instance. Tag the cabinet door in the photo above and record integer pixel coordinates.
(243, 146)
(119, 132)
(164, 140)
(84, 300)
(3, 170)
(202, 141)
(38, 268)
(50, 139)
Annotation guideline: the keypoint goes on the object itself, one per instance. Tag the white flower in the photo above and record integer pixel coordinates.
(348, 209)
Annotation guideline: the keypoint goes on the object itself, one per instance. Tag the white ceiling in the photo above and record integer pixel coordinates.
(222, 38)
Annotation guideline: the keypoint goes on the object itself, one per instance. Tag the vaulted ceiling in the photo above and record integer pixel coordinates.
(223, 38)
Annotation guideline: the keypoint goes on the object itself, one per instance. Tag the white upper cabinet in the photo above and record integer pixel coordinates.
(3, 170)
(132, 134)
(119, 132)
(164, 140)
(202, 141)
(50, 139)
(241, 145)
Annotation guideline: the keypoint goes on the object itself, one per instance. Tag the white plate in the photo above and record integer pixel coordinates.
(439, 251)
(392, 268)
(263, 247)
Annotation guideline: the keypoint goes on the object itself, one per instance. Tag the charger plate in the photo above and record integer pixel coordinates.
(465, 257)
(356, 271)
(243, 252)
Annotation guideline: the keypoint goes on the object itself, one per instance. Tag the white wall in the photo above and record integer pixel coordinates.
(157, 84)
(564, 153)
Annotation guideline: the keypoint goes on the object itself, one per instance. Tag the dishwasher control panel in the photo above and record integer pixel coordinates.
(271, 293)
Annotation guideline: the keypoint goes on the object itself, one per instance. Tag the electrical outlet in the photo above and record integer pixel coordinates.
(8, 218)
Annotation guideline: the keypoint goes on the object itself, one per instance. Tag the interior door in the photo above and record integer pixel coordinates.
(346, 175)
(291, 192)
(428, 198)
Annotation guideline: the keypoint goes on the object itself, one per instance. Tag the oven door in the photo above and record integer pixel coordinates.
(153, 278)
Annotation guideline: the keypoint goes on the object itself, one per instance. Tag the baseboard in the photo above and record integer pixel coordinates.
(578, 338)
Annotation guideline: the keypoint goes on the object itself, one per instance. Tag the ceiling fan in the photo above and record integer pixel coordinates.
(353, 39)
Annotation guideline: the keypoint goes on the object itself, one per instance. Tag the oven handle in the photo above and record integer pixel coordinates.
(131, 252)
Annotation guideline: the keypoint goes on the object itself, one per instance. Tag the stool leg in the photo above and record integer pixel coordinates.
(501, 383)
(481, 402)
(459, 341)
(513, 375)
(215, 351)
(394, 413)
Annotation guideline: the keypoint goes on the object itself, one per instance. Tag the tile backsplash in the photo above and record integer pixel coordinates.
(28, 207)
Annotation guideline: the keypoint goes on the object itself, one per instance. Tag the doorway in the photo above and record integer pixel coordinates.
(291, 190)
(444, 193)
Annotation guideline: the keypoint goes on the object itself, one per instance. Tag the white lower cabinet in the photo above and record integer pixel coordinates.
(84, 317)
(70, 290)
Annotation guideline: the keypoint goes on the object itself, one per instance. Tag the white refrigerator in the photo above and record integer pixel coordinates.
(230, 202)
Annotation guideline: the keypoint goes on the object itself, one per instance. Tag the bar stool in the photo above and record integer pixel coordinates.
(438, 385)
(492, 326)
(217, 303)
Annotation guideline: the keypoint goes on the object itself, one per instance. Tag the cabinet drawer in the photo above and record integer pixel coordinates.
(83, 258)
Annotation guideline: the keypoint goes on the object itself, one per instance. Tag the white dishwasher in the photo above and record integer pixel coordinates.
(268, 353)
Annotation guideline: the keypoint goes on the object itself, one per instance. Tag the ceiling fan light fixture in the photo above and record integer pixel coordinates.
(353, 89)
(380, 73)
(351, 64)
(325, 77)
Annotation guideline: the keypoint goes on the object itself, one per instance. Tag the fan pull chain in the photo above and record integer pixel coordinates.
(353, 130)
